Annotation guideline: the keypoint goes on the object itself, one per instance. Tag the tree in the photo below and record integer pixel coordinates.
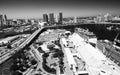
(9, 46)
(33, 62)
(45, 55)
(58, 54)
(17, 73)
(50, 46)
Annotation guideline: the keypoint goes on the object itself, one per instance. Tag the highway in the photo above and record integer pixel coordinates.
(29, 39)
(24, 44)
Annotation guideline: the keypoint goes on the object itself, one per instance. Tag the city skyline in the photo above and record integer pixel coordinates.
(36, 8)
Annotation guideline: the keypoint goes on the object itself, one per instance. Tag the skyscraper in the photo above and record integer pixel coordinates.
(5, 20)
(75, 19)
(45, 18)
(1, 20)
(5, 17)
(60, 18)
(51, 18)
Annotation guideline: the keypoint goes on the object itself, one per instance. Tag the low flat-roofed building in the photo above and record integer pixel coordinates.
(96, 61)
(70, 58)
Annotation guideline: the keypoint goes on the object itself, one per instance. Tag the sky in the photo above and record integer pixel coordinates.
(36, 8)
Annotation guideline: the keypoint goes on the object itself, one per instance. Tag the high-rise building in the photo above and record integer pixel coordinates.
(51, 18)
(5, 17)
(75, 19)
(5, 20)
(10, 21)
(60, 18)
(108, 17)
(99, 19)
(45, 18)
(56, 18)
(1, 20)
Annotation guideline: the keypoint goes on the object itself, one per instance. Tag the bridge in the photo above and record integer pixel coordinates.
(23, 45)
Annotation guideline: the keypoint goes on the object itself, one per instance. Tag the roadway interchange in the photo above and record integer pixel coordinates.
(33, 36)
(24, 44)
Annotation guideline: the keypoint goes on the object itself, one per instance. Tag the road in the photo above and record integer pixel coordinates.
(26, 42)
(85, 50)
(38, 56)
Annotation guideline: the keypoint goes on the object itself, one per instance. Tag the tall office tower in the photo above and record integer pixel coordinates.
(45, 18)
(51, 18)
(5, 20)
(56, 19)
(75, 19)
(60, 18)
(1, 20)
